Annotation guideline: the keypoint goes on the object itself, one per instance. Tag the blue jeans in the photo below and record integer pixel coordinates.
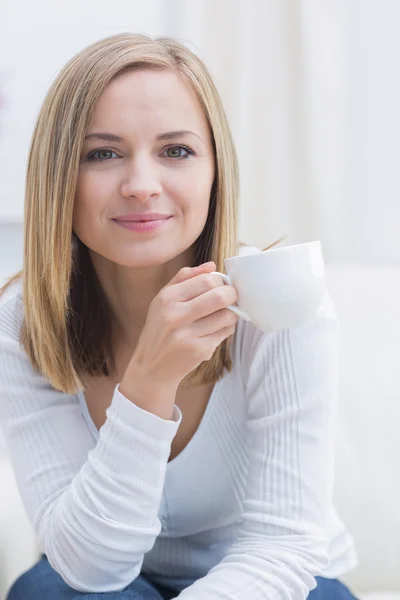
(43, 583)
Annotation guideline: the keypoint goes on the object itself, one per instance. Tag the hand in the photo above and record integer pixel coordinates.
(185, 323)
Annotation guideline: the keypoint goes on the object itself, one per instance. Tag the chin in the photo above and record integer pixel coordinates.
(146, 259)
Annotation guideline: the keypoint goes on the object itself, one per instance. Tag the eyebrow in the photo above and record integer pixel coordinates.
(169, 135)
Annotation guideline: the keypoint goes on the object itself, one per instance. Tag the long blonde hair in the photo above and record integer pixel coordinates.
(66, 330)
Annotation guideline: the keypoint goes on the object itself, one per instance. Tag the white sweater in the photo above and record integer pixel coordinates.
(243, 512)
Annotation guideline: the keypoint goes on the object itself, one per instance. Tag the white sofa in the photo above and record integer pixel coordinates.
(367, 491)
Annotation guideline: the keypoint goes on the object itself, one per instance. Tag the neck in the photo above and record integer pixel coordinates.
(130, 291)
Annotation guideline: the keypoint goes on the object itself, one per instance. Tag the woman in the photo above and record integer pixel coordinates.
(161, 448)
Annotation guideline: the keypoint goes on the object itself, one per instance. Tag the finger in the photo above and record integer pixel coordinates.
(208, 303)
(215, 339)
(200, 284)
(189, 272)
(214, 322)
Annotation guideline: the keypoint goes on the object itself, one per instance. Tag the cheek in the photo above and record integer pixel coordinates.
(91, 194)
(195, 194)
(88, 204)
(88, 190)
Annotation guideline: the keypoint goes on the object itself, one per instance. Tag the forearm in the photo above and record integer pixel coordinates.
(111, 504)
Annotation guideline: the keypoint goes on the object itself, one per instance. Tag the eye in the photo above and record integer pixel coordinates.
(101, 155)
(176, 152)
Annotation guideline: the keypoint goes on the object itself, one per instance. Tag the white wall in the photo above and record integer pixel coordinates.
(11, 247)
(329, 173)
(36, 40)
(33, 48)
(373, 218)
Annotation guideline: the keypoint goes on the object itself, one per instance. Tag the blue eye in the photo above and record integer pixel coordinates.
(175, 152)
(106, 155)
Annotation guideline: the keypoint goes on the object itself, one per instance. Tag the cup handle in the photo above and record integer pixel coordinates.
(238, 311)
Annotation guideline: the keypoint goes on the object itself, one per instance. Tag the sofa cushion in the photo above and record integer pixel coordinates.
(381, 596)
(20, 550)
(367, 487)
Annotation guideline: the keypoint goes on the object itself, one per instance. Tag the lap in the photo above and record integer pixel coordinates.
(41, 582)
(330, 589)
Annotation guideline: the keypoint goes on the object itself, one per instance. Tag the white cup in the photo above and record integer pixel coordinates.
(278, 288)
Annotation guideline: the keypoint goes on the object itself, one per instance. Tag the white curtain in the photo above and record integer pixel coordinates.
(279, 67)
(311, 89)
(298, 79)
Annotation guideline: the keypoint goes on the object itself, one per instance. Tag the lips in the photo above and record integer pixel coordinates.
(143, 218)
(146, 224)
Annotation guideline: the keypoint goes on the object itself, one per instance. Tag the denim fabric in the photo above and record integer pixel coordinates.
(330, 589)
(43, 583)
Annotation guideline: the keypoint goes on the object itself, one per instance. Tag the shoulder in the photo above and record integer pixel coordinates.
(11, 310)
(246, 249)
(253, 347)
(12, 291)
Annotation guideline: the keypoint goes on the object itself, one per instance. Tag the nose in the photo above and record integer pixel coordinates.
(141, 180)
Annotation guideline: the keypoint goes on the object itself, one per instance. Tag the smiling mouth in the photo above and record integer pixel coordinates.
(143, 225)
(144, 218)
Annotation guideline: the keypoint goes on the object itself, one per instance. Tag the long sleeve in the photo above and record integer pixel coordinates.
(94, 506)
(291, 387)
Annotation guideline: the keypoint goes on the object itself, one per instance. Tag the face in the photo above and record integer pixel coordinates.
(147, 154)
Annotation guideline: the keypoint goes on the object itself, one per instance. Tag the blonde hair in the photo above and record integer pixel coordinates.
(66, 330)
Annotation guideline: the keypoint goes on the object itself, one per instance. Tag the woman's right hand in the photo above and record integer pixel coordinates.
(186, 322)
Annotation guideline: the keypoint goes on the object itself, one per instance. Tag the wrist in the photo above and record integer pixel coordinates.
(147, 393)
(137, 370)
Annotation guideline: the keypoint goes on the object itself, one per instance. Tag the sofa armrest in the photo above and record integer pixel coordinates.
(18, 548)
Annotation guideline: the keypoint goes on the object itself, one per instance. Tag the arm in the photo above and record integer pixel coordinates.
(93, 506)
(291, 385)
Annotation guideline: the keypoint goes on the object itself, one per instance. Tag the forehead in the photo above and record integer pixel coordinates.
(149, 98)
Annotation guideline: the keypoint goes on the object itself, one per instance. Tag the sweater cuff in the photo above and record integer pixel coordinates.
(130, 430)
(144, 419)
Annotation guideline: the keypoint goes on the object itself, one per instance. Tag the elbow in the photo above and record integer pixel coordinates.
(305, 556)
(90, 578)
(92, 553)
(88, 567)
(89, 562)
